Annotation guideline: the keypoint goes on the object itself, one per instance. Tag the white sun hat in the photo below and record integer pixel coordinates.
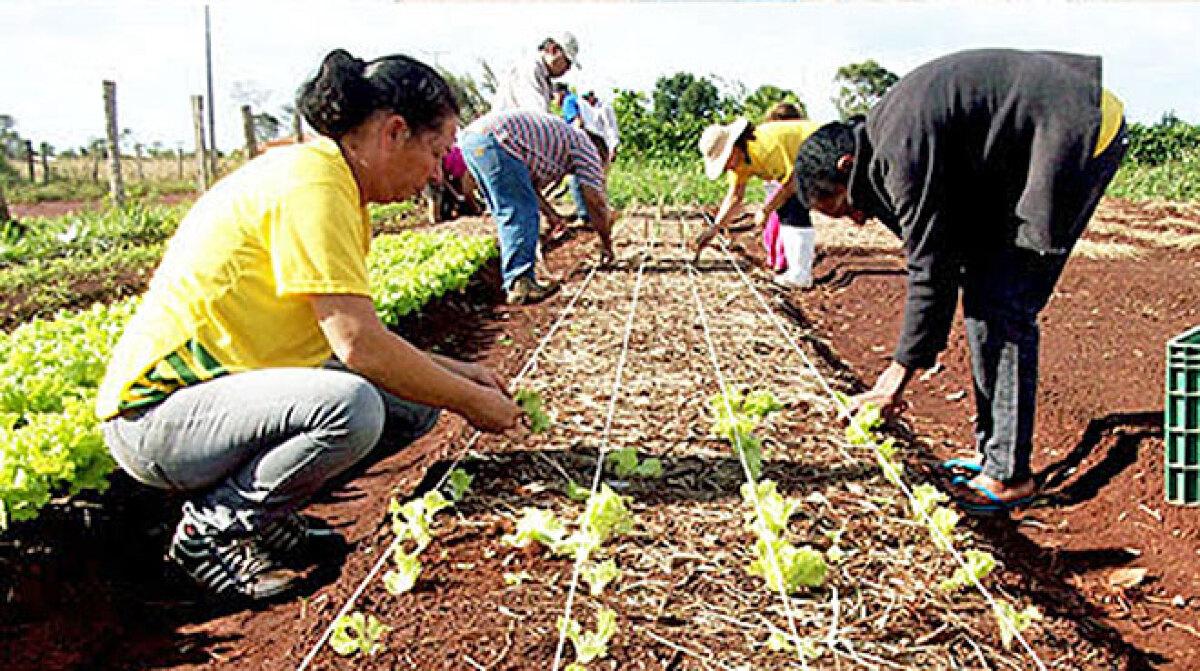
(716, 144)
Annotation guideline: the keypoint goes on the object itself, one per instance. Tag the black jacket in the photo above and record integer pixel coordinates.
(971, 152)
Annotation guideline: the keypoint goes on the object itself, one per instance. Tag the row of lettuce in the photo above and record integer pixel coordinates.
(48, 263)
(50, 442)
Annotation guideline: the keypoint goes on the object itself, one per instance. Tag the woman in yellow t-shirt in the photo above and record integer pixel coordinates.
(222, 385)
(767, 151)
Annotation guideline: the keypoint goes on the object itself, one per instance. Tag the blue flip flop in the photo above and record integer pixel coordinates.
(960, 464)
(995, 505)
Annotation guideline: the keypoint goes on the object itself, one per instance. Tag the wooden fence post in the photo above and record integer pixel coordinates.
(115, 180)
(45, 152)
(248, 130)
(4, 215)
(179, 163)
(137, 157)
(297, 127)
(29, 159)
(201, 161)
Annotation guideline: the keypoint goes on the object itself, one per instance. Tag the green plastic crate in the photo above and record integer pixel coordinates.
(1181, 419)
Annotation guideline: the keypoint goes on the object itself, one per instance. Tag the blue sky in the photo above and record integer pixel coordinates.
(155, 50)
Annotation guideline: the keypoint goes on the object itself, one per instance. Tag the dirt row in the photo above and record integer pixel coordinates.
(685, 600)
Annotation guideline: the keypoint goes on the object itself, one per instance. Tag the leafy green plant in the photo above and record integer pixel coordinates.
(459, 481)
(531, 402)
(536, 525)
(354, 633)
(625, 464)
(798, 567)
(979, 565)
(591, 645)
(404, 577)
(1012, 622)
(599, 575)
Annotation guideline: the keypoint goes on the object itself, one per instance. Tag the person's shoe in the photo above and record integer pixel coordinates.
(234, 567)
(789, 283)
(526, 290)
(295, 538)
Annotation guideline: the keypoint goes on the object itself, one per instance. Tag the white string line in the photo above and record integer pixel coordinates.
(787, 602)
(470, 443)
(844, 412)
(604, 447)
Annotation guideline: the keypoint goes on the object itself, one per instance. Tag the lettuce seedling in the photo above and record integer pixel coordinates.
(598, 576)
(800, 567)
(531, 402)
(1012, 622)
(460, 482)
(625, 463)
(536, 525)
(591, 645)
(404, 578)
(355, 633)
(979, 565)
(776, 510)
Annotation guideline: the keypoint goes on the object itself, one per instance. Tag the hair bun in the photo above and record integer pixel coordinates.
(338, 98)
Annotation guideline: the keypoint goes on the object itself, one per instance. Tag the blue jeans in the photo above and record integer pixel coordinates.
(577, 195)
(251, 447)
(508, 188)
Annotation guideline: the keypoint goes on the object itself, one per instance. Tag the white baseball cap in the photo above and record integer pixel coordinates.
(569, 45)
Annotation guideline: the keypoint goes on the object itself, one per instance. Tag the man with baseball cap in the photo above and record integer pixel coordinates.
(527, 86)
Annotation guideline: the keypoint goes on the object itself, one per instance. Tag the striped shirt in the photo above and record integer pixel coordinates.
(550, 147)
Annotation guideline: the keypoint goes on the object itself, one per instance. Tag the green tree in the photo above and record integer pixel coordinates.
(861, 86)
(755, 106)
(266, 126)
(471, 103)
(685, 95)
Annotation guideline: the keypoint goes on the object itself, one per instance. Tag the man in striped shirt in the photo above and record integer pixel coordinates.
(513, 156)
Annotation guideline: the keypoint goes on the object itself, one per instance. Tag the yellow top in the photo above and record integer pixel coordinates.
(772, 153)
(1112, 110)
(230, 293)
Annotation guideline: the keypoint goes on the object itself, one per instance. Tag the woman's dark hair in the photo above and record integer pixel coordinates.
(783, 111)
(816, 171)
(347, 90)
(744, 139)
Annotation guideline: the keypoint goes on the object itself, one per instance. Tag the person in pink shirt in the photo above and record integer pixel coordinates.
(776, 260)
(453, 195)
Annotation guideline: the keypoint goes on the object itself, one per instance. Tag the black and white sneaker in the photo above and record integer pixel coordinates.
(295, 538)
(225, 566)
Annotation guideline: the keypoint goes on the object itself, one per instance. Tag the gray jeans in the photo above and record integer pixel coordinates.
(253, 446)
(1004, 290)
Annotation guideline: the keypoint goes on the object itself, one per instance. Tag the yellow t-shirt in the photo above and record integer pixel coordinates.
(230, 293)
(1112, 110)
(772, 153)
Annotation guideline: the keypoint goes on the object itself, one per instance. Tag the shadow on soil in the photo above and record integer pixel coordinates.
(1128, 429)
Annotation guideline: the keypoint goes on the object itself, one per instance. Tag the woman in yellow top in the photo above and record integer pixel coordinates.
(767, 151)
(220, 386)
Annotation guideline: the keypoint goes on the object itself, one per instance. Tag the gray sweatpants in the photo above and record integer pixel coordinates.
(253, 446)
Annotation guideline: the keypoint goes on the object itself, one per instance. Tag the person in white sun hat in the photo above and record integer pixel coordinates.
(767, 151)
(526, 86)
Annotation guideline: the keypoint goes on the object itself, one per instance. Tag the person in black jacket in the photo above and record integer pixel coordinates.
(988, 165)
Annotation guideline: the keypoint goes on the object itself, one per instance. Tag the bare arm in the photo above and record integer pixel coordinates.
(360, 340)
(780, 197)
(601, 216)
(731, 206)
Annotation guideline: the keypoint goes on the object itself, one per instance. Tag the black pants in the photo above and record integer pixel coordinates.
(1003, 293)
